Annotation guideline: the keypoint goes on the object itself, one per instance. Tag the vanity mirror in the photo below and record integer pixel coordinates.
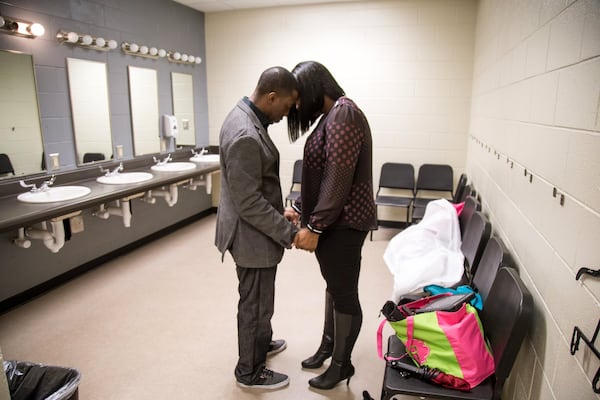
(88, 88)
(143, 97)
(183, 107)
(21, 147)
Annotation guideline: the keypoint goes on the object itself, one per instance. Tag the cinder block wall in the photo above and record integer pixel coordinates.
(408, 65)
(536, 91)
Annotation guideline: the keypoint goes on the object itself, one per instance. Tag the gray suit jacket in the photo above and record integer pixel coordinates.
(250, 221)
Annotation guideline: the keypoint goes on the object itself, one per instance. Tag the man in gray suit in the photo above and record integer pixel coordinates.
(251, 221)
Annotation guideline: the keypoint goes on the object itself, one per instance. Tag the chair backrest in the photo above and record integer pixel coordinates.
(436, 177)
(460, 189)
(491, 260)
(397, 176)
(89, 157)
(465, 192)
(471, 205)
(506, 317)
(5, 165)
(297, 173)
(474, 240)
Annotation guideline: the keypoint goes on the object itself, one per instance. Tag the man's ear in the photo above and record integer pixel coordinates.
(271, 97)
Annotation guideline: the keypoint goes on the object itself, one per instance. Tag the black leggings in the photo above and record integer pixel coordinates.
(339, 255)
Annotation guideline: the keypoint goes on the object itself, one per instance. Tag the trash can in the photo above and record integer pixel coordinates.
(29, 381)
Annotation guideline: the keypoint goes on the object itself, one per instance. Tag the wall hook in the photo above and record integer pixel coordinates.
(577, 335)
(556, 193)
(585, 270)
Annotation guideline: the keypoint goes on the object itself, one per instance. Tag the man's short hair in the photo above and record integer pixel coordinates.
(276, 79)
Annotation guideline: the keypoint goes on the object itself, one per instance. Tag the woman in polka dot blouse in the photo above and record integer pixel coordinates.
(336, 208)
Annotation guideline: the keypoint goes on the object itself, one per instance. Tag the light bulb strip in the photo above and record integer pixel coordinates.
(86, 41)
(18, 27)
(182, 58)
(142, 51)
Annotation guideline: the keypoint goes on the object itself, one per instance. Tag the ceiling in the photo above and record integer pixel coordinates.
(209, 6)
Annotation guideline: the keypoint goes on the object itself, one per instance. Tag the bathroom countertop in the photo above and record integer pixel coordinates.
(15, 214)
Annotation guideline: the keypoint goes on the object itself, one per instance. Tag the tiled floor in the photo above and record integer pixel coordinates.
(160, 323)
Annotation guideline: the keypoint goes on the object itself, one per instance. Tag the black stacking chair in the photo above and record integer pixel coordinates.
(492, 258)
(471, 205)
(466, 192)
(474, 241)
(396, 176)
(296, 182)
(431, 178)
(461, 189)
(5, 165)
(506, 318)
(477, 234)
(90, 157)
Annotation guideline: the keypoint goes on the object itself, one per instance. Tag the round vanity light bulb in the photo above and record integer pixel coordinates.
(153, 51)
(144, 50)
(177, 56)
(184, 57)
(192, 59)
(100, 42)
(198, 60)
(112, 44)
(87, 40)
(36, 29)
(1, 21)
(162, 52)
(72, 37)
(134, 48)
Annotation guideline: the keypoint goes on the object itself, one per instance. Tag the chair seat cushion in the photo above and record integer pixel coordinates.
(293, 196)
(395, 201)
(421, 201)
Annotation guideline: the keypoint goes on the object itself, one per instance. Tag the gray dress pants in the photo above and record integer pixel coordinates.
(255, 309)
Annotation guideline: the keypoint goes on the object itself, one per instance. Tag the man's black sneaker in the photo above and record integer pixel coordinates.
(268, 380)
(276, 346)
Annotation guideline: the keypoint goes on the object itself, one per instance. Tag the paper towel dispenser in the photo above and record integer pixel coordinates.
(169, 126)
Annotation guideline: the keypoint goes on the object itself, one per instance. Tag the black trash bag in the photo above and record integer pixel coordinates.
(28, 381)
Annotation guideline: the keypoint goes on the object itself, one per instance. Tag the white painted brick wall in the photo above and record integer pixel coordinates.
(407, 64)
(536, 94)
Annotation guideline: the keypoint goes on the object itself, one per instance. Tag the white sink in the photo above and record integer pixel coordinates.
(125, 178)
(173, 167)
(54, 194)
(205, 158)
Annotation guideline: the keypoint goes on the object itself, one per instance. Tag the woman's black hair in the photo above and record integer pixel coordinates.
(314, 83)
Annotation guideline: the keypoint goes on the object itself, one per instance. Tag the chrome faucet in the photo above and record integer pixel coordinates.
(108, 172)
(199, 154)
(43, 187)
(163, 162)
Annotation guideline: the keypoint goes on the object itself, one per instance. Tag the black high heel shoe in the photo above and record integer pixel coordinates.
(323, 353)
(336, 373)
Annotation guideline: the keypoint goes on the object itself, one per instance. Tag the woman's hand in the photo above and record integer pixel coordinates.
(306, 240)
